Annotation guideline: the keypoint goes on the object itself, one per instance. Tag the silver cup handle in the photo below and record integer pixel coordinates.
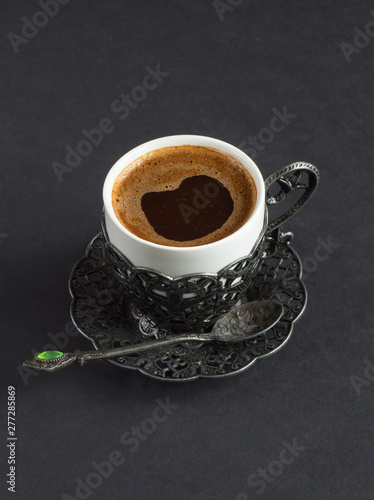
(290, 178)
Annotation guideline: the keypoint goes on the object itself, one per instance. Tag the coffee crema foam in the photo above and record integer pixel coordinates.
(165, 170)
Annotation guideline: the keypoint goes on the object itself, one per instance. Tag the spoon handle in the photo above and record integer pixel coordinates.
(84, 356)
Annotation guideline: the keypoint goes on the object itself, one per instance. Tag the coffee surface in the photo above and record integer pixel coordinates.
(184, 196)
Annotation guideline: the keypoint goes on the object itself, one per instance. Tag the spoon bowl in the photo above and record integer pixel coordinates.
(244, 322)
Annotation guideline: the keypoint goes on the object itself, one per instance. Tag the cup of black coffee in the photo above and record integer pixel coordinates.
(185, 221)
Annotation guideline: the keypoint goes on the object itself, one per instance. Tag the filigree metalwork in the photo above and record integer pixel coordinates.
(102, 313)
(289, 179)
(188, 303)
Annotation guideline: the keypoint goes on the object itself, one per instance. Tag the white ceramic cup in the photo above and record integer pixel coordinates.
(179, 261)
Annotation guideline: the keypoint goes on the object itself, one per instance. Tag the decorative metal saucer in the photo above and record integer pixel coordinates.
(101, 313)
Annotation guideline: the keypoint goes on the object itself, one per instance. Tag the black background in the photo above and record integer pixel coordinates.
(225, 78)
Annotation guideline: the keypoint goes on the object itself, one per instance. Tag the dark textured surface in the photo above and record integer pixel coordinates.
(225, 79)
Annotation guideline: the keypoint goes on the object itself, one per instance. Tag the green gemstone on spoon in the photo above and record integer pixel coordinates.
(50, 355)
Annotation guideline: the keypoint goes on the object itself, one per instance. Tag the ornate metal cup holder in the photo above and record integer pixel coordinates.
(102, 313)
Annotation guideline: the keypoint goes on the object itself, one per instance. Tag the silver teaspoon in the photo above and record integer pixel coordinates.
(241, 323)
